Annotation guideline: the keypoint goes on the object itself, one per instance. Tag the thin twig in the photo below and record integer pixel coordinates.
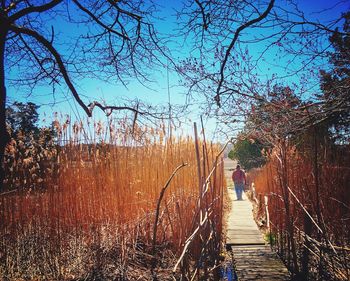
(155, 226)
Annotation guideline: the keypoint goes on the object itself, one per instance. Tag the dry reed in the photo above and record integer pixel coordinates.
(93, 216)
(317, 201)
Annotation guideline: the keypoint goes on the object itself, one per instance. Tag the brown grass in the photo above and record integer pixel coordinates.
(93, 215)
(319, 211)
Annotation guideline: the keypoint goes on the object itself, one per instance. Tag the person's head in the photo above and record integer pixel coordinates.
(238, 167)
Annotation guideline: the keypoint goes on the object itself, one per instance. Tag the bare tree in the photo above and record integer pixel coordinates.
(236, 42)
(100, 39)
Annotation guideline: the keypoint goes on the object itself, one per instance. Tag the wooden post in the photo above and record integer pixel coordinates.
(266, 200)
(254, 192)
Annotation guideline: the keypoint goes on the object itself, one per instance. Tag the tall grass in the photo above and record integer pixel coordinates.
(93, 216)
(309, 206)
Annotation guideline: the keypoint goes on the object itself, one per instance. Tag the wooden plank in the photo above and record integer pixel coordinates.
(242, 228)
(259, 263)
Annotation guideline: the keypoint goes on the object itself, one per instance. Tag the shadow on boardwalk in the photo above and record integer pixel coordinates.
(254, 259)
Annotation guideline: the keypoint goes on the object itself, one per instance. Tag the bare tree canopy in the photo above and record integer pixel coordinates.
(59, 43)
(242, 48)
(109, 40)
(230, 48)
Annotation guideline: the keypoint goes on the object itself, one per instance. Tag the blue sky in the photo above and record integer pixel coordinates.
(157, 92)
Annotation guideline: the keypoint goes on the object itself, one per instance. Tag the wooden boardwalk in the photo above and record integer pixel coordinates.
(254, 258)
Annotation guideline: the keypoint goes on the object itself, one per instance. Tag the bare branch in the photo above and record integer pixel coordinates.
(132, 15)
(96, 19)
(42, 40)
(34, 9)
(205, 23)
(228, 51)
(155, 226)
(39, 62)
(108, 109)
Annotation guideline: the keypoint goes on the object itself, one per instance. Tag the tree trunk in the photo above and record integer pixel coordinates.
(4, 136)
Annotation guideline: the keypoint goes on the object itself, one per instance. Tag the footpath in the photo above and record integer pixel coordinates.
(254, 260)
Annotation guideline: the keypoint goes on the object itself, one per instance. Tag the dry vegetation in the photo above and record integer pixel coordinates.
(309, 207)
(84, 208)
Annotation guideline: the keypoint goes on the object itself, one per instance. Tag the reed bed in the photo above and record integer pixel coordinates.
(93, 210)
(309, 209)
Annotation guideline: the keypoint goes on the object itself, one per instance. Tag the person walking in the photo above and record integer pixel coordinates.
(239, 180)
